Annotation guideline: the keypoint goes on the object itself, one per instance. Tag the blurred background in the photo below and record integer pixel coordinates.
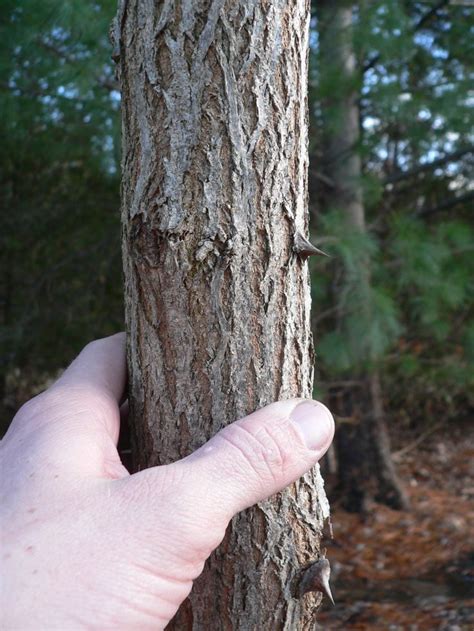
(391, 200)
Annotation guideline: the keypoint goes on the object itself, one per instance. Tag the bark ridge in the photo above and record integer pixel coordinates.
(217, 300)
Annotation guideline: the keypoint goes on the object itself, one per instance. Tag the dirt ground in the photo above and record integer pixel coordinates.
(411, 570)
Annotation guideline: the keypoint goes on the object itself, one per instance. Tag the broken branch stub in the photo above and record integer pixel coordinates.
(315, 578)
(304, 248)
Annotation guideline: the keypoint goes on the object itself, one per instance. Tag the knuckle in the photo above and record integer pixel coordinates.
(34, 407)
(92, 345)
(31, 407)
(83, 395)
(62, 399)
(262, 450)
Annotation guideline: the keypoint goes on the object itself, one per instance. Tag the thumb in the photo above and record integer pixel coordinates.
(259, 455)
(190, 502)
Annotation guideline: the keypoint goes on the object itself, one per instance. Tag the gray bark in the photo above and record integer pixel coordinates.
(217, 300)
(364, 455)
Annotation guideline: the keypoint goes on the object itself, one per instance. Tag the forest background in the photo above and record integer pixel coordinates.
(394, 298)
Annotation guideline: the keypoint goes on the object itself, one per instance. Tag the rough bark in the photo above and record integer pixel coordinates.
(217, 300)
(363, 449)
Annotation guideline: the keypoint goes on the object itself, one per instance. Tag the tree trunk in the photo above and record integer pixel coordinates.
(217, 299)
(363, 449)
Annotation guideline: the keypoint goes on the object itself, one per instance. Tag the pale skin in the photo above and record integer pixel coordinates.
(86, 545)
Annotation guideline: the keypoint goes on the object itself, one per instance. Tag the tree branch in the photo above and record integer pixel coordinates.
(322, 178)
(428, 166)
(398, 455)
(445, 204)
(429, 14)
(419, 25)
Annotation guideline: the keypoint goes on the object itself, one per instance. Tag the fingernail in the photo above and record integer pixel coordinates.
(315, 423)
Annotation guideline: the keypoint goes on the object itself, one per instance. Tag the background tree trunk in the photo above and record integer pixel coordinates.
(217, 300)
(363, 449)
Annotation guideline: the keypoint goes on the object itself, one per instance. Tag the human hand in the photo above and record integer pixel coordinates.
(86, 544)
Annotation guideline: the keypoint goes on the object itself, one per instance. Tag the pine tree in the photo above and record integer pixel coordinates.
(412, 325)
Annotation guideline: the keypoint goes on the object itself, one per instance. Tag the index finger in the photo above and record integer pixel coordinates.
(100, 365)
(87, 394)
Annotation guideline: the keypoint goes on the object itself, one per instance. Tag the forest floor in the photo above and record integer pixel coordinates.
(410, 570)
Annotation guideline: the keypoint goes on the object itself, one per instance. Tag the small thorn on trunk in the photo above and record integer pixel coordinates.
(315, 578)
(304, 248)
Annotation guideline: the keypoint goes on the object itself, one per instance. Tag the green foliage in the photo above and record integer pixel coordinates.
(61, 269)
(367, 317)
(399, 294)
